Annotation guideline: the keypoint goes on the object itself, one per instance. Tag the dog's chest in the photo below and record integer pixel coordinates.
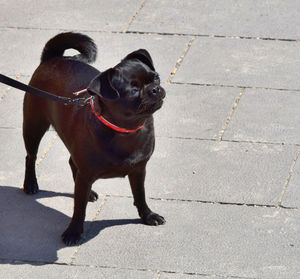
(120, 167)
(118, 160)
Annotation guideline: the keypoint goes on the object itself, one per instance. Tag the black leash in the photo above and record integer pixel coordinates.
(38, 92)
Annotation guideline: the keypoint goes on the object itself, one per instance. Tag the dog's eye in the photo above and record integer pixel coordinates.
(134, 91)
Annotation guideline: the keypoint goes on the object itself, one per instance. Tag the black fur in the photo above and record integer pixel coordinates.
(126, 95)
(58, 44)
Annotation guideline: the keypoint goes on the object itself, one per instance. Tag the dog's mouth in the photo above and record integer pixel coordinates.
(150, 108)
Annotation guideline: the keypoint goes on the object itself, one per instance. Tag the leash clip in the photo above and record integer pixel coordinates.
(76, 93)
(79, 101)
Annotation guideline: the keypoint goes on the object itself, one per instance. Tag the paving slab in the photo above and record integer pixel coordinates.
(66, 14)
(292, 194)
(232, 62)
(46, 214)
(220, 199)
(12, 107)
(193, 111)
(12, 150)
(275, 19)
(266, 116)
(19, 270)
(54, 172)
(198, 238)
(20, 50)
(165, 50)
(212, 171)
(31, 226)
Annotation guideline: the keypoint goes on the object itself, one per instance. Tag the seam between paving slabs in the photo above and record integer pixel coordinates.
(211, 202)
(207, 274)
(179, 61)
(157, 33)
(5, 91)
(234, 86)
(134, 16)
(289, 177)
(46, 150)
(235, 104)
(181, 58)
(228, 140)
(216, 36)
(89, 229)
(5, 261)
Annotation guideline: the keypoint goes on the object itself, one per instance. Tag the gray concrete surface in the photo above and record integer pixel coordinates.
(226, 170)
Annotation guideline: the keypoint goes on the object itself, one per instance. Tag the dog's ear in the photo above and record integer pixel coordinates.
(142, 55)
(102, 86)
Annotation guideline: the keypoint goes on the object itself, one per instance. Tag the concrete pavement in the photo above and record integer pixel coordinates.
(226, 170)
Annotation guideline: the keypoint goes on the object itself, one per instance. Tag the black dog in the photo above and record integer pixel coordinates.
(112, 136)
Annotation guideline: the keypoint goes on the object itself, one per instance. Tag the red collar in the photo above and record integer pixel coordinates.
(110, 125)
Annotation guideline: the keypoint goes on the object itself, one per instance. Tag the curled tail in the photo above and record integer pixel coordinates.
(56, 46)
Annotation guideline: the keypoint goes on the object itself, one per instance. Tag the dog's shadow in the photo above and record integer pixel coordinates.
(30, 231)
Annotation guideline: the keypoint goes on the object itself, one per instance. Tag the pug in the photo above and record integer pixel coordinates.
(111, 136)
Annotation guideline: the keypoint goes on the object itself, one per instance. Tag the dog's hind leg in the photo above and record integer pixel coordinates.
(93, 195)
(34, 127)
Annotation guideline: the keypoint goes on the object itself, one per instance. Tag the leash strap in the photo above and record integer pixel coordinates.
(41, 93)
(64, 100)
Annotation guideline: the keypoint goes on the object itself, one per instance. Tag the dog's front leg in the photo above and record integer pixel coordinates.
(73, 233)
(137, 180)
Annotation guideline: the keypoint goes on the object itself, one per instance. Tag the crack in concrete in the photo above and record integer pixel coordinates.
(235, 104)
(4, 93)
(289, 177)
(179, 61)
(7, 89)
(46, 150)
(158, 274)
(134, 16)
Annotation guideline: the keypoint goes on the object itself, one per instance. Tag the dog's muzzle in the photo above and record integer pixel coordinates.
(153, 99)
(157, 91)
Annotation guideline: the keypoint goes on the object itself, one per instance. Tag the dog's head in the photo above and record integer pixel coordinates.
(131, 90)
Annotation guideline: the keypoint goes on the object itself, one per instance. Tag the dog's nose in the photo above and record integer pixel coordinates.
(158, 91)
(155, 90)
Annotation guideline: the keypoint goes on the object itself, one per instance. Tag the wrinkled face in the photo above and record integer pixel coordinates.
(131, 90)
(139, 88)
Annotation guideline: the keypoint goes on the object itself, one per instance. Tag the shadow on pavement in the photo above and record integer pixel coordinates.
(30, 231)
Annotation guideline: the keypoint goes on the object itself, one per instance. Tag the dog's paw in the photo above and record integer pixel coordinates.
(30, 188)
(153, 219)
(93, 196)
(70, 237)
